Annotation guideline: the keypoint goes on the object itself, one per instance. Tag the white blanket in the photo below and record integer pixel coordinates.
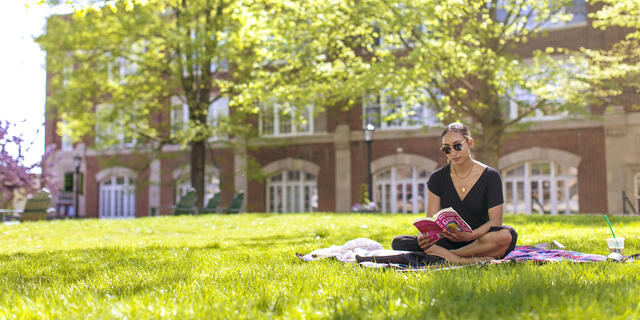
(347, 252)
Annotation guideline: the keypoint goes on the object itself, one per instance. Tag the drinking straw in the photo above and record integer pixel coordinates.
(614, 235)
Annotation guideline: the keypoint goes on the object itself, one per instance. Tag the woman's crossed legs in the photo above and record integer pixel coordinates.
(495, 244)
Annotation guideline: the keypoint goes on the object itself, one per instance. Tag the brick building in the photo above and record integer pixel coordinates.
(559, 165)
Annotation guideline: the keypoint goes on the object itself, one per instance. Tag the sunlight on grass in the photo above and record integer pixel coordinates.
(243, 266)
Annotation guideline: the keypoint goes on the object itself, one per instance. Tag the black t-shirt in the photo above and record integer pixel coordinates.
(474, 209)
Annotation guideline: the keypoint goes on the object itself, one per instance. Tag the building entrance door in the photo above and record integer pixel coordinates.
(117, 198)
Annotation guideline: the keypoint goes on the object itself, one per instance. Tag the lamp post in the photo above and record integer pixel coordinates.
(368, 137)
(77, 161)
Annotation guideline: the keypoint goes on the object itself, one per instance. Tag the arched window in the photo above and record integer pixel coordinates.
(541, 186)
(292, 191)
(401, 189)
(117, 197)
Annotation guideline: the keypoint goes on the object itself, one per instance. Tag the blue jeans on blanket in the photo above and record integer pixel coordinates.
(410, 243)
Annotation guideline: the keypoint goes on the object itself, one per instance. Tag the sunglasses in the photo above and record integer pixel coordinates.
(447, 149)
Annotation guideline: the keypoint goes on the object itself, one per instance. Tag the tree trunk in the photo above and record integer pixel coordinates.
(197, 169)
(489, 146)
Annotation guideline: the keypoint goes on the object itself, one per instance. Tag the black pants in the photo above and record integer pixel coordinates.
(410, 243)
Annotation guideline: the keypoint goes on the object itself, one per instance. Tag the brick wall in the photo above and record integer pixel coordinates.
(321, 154)
(586, 143)
(425, 147)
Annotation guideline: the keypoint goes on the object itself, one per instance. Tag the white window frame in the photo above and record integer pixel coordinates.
(216, 111)
(66, 142)
(526, 180)
(220, 66)
(522, 95)
(125, 68)
(285, 186)
(109, 128)
(66, 75)
(117, 201)
(393, 182)
(573, 22)
(179, 124)
(276, 112)
(559, 24)
(381, 103)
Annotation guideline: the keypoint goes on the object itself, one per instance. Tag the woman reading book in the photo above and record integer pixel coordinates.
(474, 190)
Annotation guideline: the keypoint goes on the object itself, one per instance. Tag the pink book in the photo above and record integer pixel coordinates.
(445, 219)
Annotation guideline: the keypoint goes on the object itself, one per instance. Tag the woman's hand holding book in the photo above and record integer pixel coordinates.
(425, 242)
(457, 235)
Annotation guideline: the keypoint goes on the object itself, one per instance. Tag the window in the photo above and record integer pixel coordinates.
(66, 76)
(67, 143)
(110, 130)
(180, 115)
(281, 120)
(117, 197)
(69, 181)
(125, 68)
(66, 140)
(387, 112)
(401, 189)
(221, 66)
(525, 97)
(218, 110)
(211, 187)
(120, 69)
(542, 187)
(546, 84)
(292, 191)
(578, 13)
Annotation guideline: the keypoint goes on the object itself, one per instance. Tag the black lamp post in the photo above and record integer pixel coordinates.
(368, 137)
(77, 161)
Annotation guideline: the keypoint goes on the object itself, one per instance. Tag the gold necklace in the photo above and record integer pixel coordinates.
(462, 178)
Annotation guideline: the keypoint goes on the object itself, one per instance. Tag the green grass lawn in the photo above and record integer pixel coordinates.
(243, 266)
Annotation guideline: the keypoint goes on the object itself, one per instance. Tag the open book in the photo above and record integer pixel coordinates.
(445, 219)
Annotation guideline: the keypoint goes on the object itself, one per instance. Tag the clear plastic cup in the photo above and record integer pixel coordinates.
(616, 245)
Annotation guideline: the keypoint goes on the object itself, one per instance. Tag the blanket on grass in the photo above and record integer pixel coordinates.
(354, 250)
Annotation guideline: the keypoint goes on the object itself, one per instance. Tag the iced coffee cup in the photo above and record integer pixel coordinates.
(616, 245)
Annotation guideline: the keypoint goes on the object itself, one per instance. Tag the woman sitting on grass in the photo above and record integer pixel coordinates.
(474, 190)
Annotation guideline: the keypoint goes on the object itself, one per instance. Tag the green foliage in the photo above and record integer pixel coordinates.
(122, 72)
(117, 67)
(243, 266)
(364, 194)
(455, 56)
(614, 74)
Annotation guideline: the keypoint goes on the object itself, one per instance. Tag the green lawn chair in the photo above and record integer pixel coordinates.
(186, 204)
(236, 203)
(212, 204)
(36, 207)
